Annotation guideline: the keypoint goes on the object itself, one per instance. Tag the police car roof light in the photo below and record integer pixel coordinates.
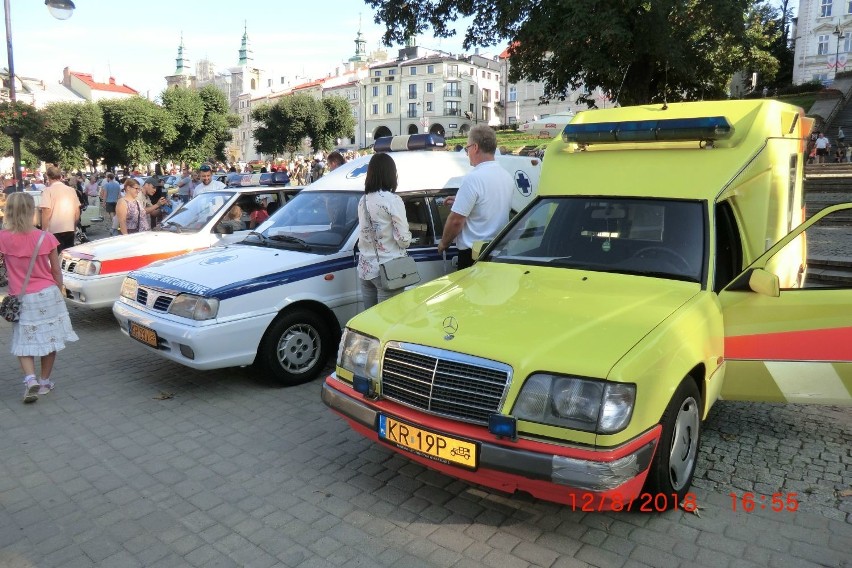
(665, 130)
(410, 142)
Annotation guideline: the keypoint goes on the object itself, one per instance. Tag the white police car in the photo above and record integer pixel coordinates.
(280, 297)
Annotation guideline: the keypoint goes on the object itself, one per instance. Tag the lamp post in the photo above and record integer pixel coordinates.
(59, 9)
(837, 32)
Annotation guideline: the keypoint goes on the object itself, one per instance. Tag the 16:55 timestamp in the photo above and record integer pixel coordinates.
(777, 502)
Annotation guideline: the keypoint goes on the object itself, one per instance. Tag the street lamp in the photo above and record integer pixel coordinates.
(60, 9)
(838, 32)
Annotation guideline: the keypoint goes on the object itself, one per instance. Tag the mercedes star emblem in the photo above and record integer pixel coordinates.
(451, 326)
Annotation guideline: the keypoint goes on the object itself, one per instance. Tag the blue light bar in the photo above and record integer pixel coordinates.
(503, 426)
(665, 130)
(410, 142)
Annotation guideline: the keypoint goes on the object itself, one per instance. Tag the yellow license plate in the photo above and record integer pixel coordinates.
(144, 334)
(428, 444)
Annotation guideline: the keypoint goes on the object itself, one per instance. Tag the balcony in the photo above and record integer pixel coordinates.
(454, 93)
(452, 112)
(390, 78)
(412, 114)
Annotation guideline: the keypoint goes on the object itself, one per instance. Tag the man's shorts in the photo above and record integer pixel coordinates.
(110, 207)
(822, 151)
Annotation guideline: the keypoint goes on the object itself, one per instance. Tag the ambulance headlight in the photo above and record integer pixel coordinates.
(572, 402)
(129, 287)
(359, 354)
(194, 307)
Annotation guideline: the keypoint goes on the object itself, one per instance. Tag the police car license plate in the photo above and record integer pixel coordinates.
(428, 444)
(144, 334)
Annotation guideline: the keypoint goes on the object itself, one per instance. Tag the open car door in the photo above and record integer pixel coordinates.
(788, 317)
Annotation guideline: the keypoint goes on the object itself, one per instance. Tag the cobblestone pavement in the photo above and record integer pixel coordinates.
(136, 461)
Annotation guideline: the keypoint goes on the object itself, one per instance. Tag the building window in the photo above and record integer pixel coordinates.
(483, 73)
(389, 90)
(269, 82)
(429, 106)
(489, 74)
(486, 95)
(389, 108)
(430, 87)
(513, 94)
(486, 114)
(412, 70)
(821, 77)
(472, 72)
(412, 91)
(430, 68)
(451, 108)
(391, 71)
(471, 89)
(375, 91)
(471, 107)
(822, 45)
(452, 70)
(847, 41)
(497, 96)
(825, 9)
(377, 73)
(375, 109)
(849, 7)
(513, 120)
(412, 110)
(452, 90)
(283, 80)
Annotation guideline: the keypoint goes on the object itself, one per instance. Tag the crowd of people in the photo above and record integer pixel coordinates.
(821, 151)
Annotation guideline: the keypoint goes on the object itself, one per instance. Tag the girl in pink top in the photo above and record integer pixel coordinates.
(44, 325)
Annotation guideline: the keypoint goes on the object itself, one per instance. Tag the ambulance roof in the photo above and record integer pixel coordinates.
(679, 150)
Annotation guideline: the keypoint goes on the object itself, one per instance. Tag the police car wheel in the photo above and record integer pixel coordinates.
(295, 348)
(677, 453)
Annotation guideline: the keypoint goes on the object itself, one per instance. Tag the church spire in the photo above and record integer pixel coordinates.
(360, 46)
(182, 62)
(246, 56)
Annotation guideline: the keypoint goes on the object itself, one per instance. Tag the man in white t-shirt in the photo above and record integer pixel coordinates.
(205, 172)
(60, 209)
(481, 206)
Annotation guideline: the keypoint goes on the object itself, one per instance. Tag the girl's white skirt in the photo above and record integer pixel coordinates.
(44, 326)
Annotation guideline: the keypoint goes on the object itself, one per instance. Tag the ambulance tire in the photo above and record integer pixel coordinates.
(295, 347)
(677, 453)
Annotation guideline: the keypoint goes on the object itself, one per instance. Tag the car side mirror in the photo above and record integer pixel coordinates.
(764, 282)
(477, 248)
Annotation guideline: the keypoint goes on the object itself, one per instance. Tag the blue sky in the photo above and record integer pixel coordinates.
(136, 41)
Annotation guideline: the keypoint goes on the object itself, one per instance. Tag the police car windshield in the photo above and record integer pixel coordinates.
(648, 237)
(319, 220)
(194, 215)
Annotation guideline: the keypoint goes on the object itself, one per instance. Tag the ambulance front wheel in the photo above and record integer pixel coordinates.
(674, 462)
(295, 348)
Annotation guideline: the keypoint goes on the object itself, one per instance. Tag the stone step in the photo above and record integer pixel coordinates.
(830, 262)
(827, 276)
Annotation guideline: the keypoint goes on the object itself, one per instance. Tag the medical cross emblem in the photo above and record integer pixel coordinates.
(523, 183)
(359, 171)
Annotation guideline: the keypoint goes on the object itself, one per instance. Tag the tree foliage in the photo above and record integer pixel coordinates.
(218, 122)
(69, 131)
(186, 110)
(135, 131)
(637, 51)
(284, 125)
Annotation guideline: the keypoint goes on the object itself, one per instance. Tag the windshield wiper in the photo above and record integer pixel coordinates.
(171, 224)
(263, 240)
(291, 240)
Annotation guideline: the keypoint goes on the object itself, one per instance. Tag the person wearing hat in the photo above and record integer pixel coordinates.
(207, 181)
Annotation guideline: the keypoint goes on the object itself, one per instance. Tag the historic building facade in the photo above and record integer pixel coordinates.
(823, 40)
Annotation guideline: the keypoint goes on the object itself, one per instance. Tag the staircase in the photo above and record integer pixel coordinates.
(828, 262)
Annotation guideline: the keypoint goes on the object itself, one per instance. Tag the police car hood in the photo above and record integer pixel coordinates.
(229, 271)
(533, 318)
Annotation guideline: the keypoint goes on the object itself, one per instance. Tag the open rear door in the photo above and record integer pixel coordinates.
(788, 317)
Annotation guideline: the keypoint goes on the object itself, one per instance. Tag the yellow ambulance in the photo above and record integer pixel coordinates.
(662, 266)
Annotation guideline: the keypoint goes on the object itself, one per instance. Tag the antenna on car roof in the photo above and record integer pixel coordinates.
(621, 86)
(666, 87)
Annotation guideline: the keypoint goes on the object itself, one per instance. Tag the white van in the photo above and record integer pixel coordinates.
(281, 296)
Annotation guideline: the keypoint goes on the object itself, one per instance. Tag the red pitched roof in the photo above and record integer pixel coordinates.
(309, 84)
(506, 51)
(111, 86)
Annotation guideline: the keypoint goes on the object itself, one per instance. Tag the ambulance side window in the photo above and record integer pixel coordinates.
(729, 247)
(417, 213)
(440, 210)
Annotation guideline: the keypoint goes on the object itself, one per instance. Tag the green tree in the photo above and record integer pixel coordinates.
(283, 126)
(135, 131)
(637, 51)
(186, 108)
(218, 122)
(67, 132)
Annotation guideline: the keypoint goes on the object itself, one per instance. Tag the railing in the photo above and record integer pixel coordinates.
(452, 112)
(412, 114)
(452, 93)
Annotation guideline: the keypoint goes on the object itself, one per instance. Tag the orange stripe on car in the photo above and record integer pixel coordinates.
(133, 262)
(833, 344)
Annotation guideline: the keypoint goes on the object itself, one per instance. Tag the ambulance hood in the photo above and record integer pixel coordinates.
(229, 271)
(533, 318)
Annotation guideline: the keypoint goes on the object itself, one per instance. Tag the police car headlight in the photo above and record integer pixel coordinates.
(194, 307)
(579, 404)
(359, 354)
(129, 287)
(87, 267)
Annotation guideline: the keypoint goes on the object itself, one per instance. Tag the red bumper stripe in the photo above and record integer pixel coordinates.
(811, 345)
(133, 262)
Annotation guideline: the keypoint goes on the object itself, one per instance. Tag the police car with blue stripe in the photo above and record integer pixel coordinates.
(280, 297)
